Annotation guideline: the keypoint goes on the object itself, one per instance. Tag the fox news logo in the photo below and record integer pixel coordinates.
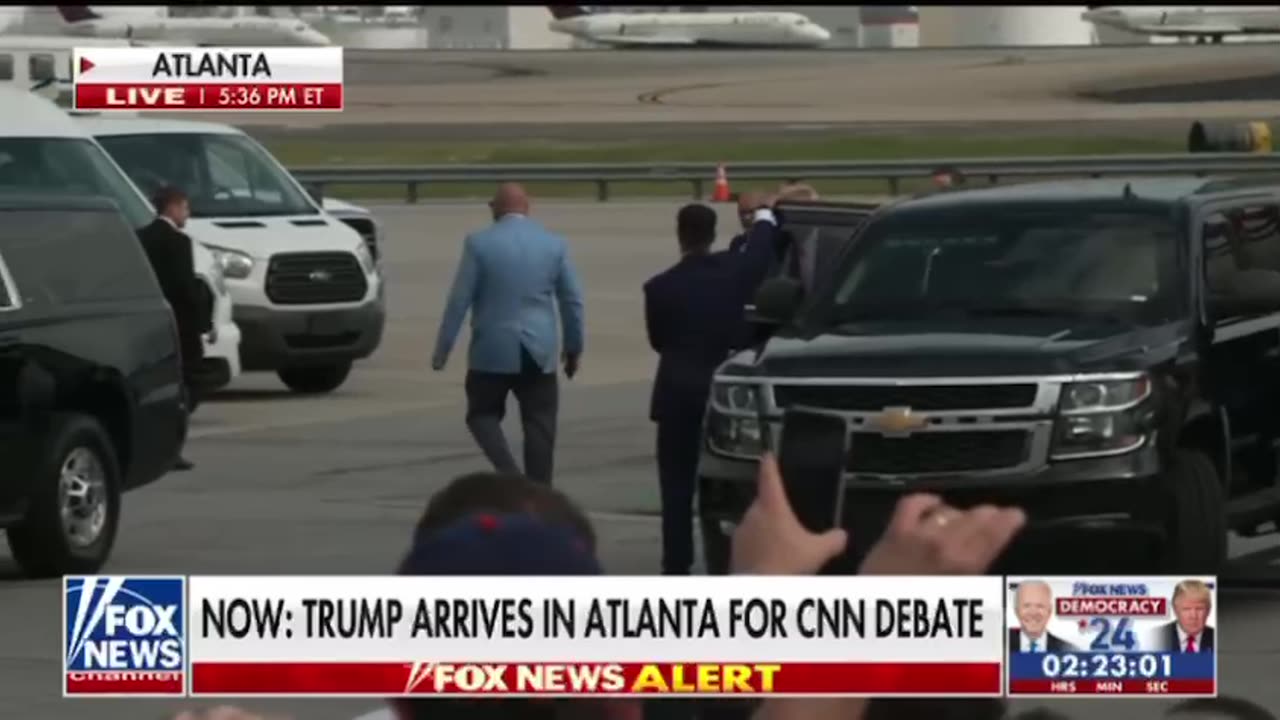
(124, 635)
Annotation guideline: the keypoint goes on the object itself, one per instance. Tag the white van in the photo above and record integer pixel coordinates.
(43, 150)
(309, 295)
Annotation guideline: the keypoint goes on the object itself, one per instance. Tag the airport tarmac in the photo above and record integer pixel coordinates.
(956, 86)
(333, 485)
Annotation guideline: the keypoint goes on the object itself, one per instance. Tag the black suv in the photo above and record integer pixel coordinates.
(90, 399)
(1103, 353)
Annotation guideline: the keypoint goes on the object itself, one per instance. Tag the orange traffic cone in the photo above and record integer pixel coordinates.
(721, 192)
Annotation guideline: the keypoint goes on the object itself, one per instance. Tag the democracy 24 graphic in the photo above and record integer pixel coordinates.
(124, 636)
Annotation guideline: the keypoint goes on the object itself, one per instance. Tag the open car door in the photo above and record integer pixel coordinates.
(819, 232)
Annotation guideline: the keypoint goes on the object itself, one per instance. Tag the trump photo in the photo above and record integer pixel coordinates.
(1190, 631)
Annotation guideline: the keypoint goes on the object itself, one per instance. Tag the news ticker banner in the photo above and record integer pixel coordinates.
(1112, 636)
(207, 79)
(586, 636)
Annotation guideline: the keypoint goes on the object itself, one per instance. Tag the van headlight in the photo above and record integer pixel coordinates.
(1102, 418)
(216, 277)
(365, 256)
(234, 263)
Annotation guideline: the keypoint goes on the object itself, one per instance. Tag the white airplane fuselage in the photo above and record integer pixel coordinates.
(246, 31)
(758, 29)
(1189, 21)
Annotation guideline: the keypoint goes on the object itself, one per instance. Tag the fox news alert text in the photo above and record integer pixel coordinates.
(239, 79)
(1112, 636)
(602, 636)
(124, 636)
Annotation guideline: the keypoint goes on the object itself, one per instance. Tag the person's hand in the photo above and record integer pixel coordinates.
(770, 539)
(928, 537)
(438, 362)
(570, 364)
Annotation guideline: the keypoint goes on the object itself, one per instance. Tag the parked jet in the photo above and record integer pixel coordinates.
(685, 29)
(1204, 23)
(83, 21)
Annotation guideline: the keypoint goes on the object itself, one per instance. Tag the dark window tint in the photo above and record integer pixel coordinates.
(41, 66)
(1257, 227)
(1003, 258)
(6, 67)
(70, 166)
(74, 256)
(6, 295)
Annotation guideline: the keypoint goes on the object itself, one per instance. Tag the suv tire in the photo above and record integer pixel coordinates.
(315, 379)
(1196, 518)
(77, 455)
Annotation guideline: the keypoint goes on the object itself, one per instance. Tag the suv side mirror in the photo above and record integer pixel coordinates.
(777, 300)
(1251, 292)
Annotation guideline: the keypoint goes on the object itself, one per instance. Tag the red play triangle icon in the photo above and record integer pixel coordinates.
(85, 65)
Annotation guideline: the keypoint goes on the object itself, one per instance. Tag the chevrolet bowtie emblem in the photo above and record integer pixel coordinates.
(320, 276)
(898, 421)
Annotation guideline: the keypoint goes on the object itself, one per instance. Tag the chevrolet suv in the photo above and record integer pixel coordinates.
(1103, 353)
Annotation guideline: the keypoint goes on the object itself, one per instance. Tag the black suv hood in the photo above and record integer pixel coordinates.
(917, 350)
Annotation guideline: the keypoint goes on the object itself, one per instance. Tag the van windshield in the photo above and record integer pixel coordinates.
(224, 175)
(70, 166)
(1072, 261)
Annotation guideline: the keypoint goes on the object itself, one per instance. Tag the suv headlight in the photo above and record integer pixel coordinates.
(1102, 418)
(733, 425)
(736, 397)
(218, 279)
(234, 263)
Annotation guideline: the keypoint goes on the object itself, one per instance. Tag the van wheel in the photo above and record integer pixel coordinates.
(1196, 519)
(71, 524)
(315, 379)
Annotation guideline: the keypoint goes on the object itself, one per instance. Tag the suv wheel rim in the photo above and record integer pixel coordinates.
(83, 494)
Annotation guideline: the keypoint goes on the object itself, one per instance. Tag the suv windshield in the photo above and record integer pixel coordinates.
(225, 175)
(1101, 262)
(72, 166)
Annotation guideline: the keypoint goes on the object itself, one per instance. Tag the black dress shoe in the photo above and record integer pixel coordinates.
(183, 464)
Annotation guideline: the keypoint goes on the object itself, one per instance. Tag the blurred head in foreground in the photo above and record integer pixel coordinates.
(1223, 707)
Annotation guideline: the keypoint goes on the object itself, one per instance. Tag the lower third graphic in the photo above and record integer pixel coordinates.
(124, 636)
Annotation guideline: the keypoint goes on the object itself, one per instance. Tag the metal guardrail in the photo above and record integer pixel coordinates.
(699, 175)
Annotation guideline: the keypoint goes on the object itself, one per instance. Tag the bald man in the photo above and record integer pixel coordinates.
(515, 277)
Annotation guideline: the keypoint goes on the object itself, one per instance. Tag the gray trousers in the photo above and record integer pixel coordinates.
(538, 395)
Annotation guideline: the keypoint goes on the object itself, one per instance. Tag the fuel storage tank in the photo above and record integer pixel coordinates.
(1003, 26)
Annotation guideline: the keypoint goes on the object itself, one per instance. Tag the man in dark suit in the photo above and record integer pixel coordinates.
(694, 318)
(1192, 602)
(169, 250)
(1033, 604)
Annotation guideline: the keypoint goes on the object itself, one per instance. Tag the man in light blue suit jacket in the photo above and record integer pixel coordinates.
(513, 277)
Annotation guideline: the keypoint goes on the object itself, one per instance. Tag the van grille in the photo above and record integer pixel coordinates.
(314, 278)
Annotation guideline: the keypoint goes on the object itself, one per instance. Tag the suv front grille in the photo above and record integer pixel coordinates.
(935, 452)
(314, 278)
(870, 398)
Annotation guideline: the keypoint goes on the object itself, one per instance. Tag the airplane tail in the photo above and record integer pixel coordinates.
(77, 13)
(564, 12)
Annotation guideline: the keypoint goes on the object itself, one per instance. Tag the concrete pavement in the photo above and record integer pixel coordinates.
(333, 485)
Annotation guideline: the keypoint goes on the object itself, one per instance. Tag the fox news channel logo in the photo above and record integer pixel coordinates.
(124, 636)
(1112, 636)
